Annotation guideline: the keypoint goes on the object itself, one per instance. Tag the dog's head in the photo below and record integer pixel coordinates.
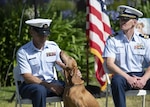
(70, 70)
(69, 62)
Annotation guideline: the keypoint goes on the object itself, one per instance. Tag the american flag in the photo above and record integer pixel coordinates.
(98, 29)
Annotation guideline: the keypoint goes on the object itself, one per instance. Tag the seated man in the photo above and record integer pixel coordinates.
(36, 60)
(125, 55)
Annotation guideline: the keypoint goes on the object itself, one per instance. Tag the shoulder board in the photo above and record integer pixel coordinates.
(110, 36)
(113, 35)
(144, 36)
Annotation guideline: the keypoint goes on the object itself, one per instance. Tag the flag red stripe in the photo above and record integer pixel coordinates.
(95, 29)
(95, 46)
(95, 12)
(107, 28)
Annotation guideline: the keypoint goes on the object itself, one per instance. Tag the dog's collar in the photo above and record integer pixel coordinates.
(77, 84)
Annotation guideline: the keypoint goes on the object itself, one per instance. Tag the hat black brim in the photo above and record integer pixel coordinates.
(44, 32)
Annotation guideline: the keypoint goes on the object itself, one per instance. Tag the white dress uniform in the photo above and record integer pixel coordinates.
(130, 56)
(39, 62)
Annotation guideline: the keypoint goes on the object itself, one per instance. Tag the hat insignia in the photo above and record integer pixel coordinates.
(122, 10)
(45, 26)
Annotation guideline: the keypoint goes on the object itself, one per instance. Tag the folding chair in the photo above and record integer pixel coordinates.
(140, 92)
(21, 101)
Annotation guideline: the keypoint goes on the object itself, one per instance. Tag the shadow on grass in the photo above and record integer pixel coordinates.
(95, 91)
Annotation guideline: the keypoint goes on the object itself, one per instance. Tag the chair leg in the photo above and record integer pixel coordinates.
(20, 105)
(55, 104)
(16, 103)
(143, 101)
(61, 104)
(107, 92)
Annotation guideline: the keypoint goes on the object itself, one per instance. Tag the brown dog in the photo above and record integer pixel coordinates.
(75, 93)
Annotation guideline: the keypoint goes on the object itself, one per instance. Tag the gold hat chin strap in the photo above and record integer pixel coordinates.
(127, 15)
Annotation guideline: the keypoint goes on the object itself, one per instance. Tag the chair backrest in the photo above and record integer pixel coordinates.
(20, 101)
(106, 72)
(17, 79)
(16, 72)
(55, 73)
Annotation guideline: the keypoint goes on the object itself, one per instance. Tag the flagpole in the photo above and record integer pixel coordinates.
(87, 47)
(87, 62)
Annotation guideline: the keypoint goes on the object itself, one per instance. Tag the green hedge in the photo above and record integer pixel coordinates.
(68, 33)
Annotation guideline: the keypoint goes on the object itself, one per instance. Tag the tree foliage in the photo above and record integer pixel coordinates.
(68, 33)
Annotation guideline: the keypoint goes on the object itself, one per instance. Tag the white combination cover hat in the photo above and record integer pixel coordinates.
(38, 22)
(40, 25)
(127, 11)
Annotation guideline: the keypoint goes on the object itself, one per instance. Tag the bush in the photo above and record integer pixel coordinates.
(68, 33)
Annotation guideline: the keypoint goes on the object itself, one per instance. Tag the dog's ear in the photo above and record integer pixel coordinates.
(76, 79)
(72, 72)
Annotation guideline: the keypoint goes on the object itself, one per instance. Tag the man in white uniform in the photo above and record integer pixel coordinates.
(36, 60)
(126, 54)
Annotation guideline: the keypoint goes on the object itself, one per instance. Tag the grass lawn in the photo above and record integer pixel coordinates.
(7, 92)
